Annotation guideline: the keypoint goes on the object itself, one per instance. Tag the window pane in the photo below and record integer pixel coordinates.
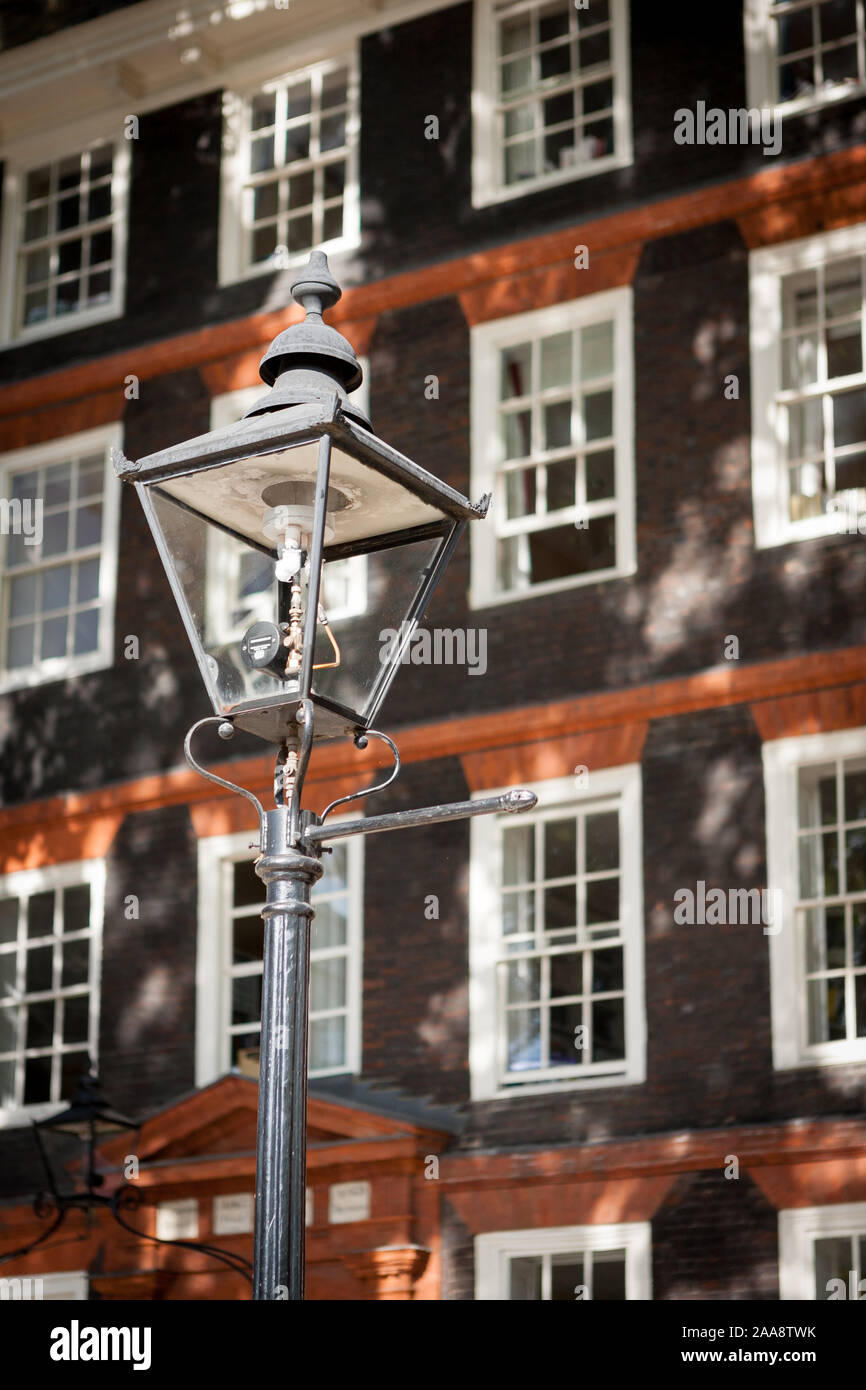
(565, 1019)
(327, 1043)
(817, 799)
(819, 866)
(825, 939)
(516, 371)
(602, 900)
(248, 887)
(607, 974)
(86, 632)
(247, 999)
(40, 1024)
(56, 586)
(855, 795)
(40, 914)
(8, 920)
(518, 854)
(608, 1030)
(76, 1018)
(826, 1007)
(518, 914)
(560, 848)
(555, 360)
(76, 963)
(602, 842)
(37, 1080)
(328, 984)
(560, 907)
(76, 908)
(524, 1039)
(608, 1276)
(832, 1261)
(525, 1278)
(73, 1065)
(566, 1277)
(523, 981)
(248, 940)
(330, 924)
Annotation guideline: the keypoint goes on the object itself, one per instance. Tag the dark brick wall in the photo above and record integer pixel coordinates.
(715, 1238)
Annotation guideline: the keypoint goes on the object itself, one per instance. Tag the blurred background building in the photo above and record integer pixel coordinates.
(575, 1056)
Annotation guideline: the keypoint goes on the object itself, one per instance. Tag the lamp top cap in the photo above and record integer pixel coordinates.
(312, 344)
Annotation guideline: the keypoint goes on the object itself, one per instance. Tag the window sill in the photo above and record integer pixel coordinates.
(488, 195)
(544, 1088)
(57, 328)
(59, 670)
(488, 599)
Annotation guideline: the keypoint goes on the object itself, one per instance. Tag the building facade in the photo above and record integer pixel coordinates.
(605, 261)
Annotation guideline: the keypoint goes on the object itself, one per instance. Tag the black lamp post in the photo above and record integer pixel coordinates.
(262, 520)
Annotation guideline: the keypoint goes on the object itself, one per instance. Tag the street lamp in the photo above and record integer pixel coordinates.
(263, 526)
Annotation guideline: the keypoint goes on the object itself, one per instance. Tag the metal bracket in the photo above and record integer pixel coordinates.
(361, 742)
(509, 802)
(226, 731)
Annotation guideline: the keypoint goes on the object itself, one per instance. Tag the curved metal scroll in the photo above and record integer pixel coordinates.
(361, 742)
(212, 777)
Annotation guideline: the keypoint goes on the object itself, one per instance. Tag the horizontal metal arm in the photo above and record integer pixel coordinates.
(427, 815)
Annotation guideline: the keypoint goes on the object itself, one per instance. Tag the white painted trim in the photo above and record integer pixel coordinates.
(116, 37)
(485, 876)
(23, 883)
(215, 854)
(486, 186)
(782, 759)
(104, 438)
(486, 342)
(232, 264)
(48, 148)
(799, 1228)
(762, 74)
(494, 1250)
(767, 269)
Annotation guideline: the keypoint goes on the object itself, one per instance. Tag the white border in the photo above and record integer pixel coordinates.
(767, 268)
(761, 70)
(485, 876)
(486, 187)
(232, 267)
(782, 759)
(486, 342)
(211, 1041)
(106, 437)
(495, 1249)
(47, 148)
(799, 1228)
(24, 882)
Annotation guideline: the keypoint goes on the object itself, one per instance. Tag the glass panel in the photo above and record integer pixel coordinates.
(524, 1283)
(86, 632)
(247, 886)
(817, 799)
(7, 1084)
(8, 975)
(247, 999)
(524, 1039)
(560, 848)
(516, 371)
(520, 497)
(855, 861)
(602, 842)
(557, 425)
(832, 1261)
(73, 1065)
(8, 920)
(598, 415)
(38, 969)
(566, 1278)
(8, 1023)
(566, 975)
(860, 1005)
(40, 1024)
(517, 427)
(327, 1043)
(328, 984)
(330, 924)
(247, 940)
(54, 638)
(76, 1018)
(560, 907)
(518, 913)
(825, 939)
(37, 1080)
(602, 900)
(56, 587)
(596, 350)
(332, 225)
(76, 963)
(518, 854)
(523, 981)
(76, 908)
(40, 915)
(855, 795)
(22, 596)
(826, 1008)
(849, 417)
(556, 360)
(565, 1019)
(520, 161)
(819, 866)
(607, 970)
(806, 428)
(608, 1030)
(608, 1276)
(560, 485)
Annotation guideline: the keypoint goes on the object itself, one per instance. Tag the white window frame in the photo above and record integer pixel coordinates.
(236, 105)
(762, 75)
(782, 760)
(486, 148)
(485, 937)
(19, 160)
(105, 439)
(494, 1250)
(487, 341)
(215, 853)
(799, 1228)
(770, 484)
(26, 882)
